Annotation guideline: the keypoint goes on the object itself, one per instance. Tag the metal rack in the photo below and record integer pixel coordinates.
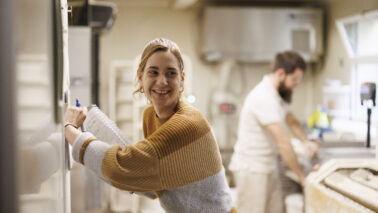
(126, 110)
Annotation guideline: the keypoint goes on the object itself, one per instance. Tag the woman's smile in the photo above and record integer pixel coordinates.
(161, 92)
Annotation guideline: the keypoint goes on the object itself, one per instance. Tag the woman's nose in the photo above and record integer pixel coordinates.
(162, 80)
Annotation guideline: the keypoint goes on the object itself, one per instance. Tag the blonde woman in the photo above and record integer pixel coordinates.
(178, 161)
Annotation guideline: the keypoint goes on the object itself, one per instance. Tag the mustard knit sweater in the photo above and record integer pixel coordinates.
(178, 160)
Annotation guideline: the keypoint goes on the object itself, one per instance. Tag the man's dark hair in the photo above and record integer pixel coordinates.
(289, 61)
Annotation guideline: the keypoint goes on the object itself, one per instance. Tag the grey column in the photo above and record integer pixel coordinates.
(8, 141)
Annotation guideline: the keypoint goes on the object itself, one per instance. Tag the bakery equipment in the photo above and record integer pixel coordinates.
(343, 186)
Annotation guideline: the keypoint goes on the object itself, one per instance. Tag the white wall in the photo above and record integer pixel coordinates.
(135, 26)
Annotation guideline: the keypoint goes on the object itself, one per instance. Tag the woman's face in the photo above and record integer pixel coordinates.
(162, 80)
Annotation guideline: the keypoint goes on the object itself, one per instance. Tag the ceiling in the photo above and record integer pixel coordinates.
(167, 3)
(268, 2)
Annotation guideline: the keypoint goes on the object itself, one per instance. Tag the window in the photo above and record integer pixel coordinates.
(359, 34)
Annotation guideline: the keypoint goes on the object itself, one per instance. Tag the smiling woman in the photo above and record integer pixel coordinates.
(162, 80)
(178, 161)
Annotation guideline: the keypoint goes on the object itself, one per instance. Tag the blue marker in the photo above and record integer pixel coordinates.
(79, 105)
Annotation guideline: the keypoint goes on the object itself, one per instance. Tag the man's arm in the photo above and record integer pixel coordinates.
(296, 128)
(286, 150)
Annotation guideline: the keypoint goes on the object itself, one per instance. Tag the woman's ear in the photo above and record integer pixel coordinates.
(140, 80)
(182, 82)
(182, 76)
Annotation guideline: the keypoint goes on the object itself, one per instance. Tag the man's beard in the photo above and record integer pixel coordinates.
(285, 92)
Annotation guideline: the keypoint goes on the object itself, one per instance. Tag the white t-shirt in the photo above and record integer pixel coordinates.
(256, 149)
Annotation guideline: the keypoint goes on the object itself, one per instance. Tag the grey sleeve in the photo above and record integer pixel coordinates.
(94, 153)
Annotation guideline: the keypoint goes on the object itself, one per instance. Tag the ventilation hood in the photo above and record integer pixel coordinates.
(251, 34)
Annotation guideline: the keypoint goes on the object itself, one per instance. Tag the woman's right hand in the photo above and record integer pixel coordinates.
(75, 116)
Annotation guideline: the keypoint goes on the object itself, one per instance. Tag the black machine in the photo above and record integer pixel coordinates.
(367, 95)
(100, 17)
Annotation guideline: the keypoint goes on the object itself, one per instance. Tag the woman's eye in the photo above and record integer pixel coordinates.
(171, 73)
(152, 72)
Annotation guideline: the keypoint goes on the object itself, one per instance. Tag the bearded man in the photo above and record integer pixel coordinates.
(261, 138)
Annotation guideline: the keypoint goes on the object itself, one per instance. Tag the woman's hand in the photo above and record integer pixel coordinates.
(75, 116)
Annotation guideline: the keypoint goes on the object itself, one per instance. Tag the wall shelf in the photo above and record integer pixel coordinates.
(127, 110)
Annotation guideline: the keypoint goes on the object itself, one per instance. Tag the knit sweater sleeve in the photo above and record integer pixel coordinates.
(135, 168)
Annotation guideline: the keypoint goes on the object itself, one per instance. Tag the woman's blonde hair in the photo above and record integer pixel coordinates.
(156, 45)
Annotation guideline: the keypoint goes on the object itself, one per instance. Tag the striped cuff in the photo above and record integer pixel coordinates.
(79, 143)
(94, 153)
(83, 148)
